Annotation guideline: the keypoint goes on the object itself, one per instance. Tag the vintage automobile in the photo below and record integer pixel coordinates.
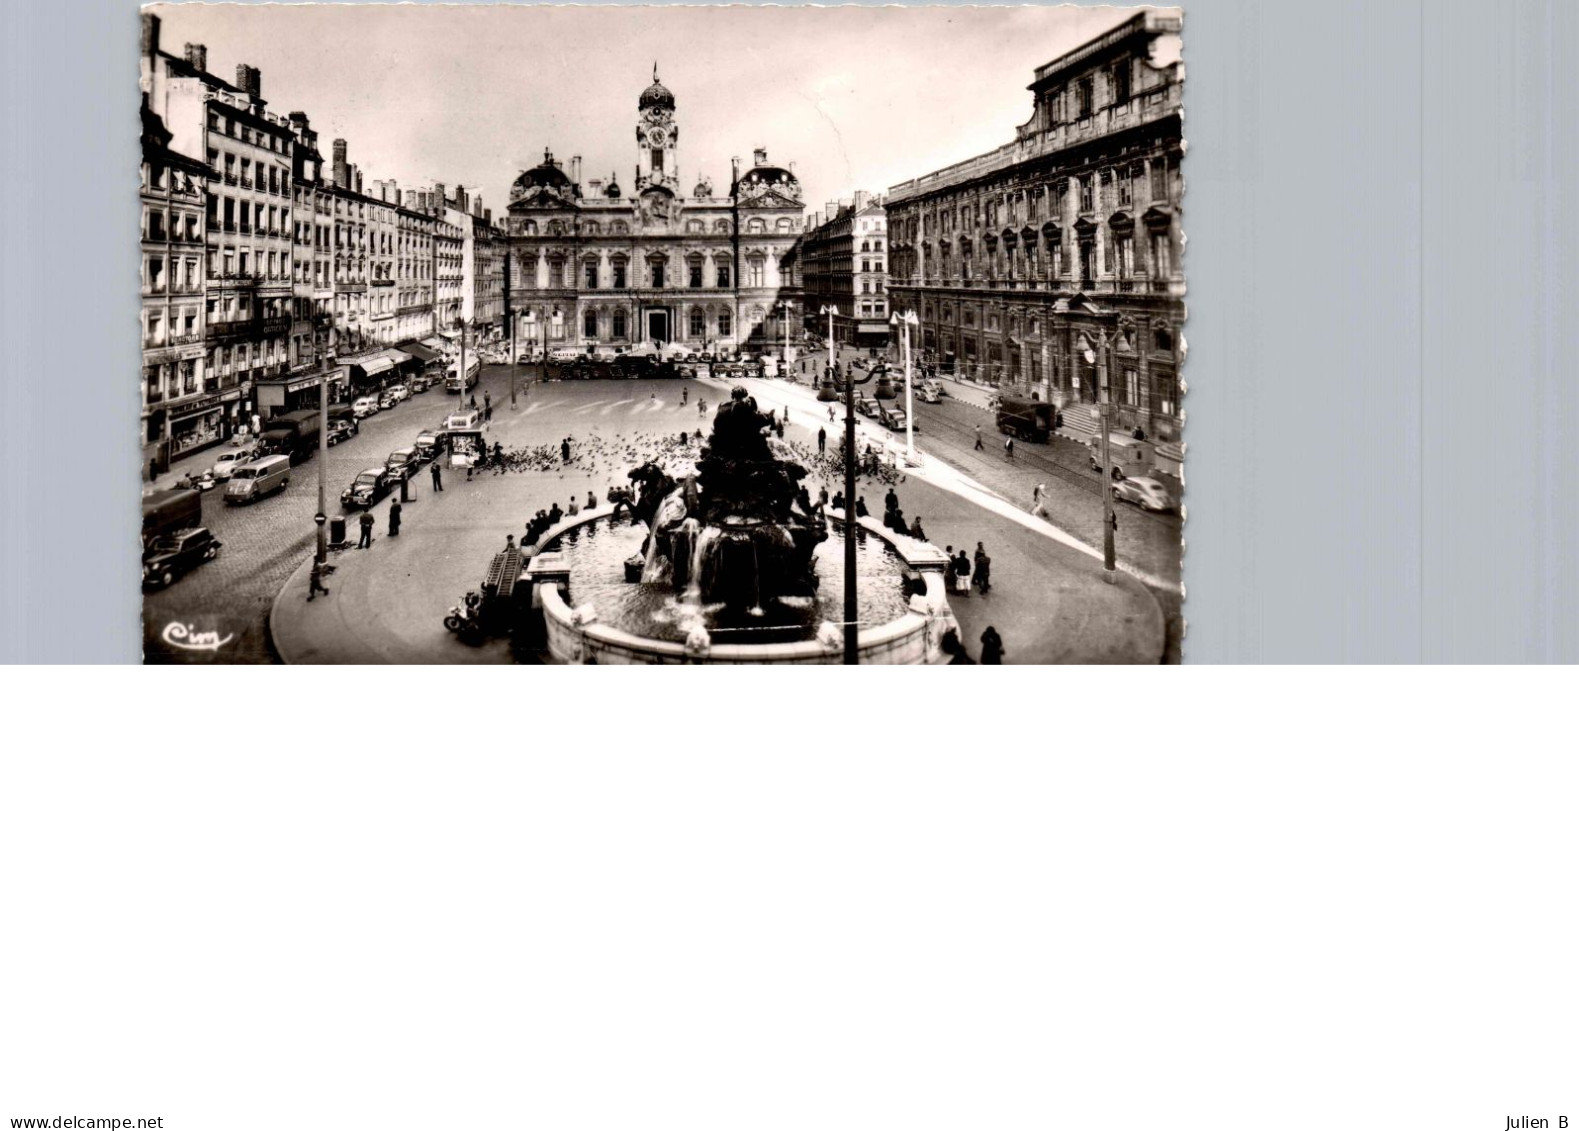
(929, 392)
(229, 461)
(402, 391)
(1146, 493)
(402, 463)
(387, 399)
(170, 555)
(892, 417)
(427, 444)
(367, 488)
(865, 405)
(340, 430)
(364, 406)
(462, 421)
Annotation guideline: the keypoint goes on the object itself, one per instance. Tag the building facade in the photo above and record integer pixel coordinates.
(591, 265)
(1051, 265)
(175, 380)
(843, 260)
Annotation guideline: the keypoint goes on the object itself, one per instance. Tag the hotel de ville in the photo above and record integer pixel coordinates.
(663, 258)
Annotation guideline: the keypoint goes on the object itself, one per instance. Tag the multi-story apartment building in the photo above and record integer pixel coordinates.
(414, 246)
(312, 286)
(1052, 263)
(174, 374)
(842, 258)
(449, 265)
(488, 256)
(592, 266)
(248, 260)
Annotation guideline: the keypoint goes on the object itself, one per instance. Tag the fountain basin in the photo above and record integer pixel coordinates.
(575, 632)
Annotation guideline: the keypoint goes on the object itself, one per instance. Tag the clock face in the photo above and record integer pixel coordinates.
(656, 136)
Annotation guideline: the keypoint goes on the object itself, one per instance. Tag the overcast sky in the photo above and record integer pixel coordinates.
(856, 97)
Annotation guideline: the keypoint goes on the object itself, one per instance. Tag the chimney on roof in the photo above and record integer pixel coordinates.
(595, 186)
(411, 199)
(338, 169)
(197, 56)
(759, 156)
(831, 209)
(249, 80)
(443, 198)
(861, 197)
(356, 174)
(150, 35)
(575, 170)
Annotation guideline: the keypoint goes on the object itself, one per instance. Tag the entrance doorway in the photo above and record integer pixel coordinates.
(658, 326)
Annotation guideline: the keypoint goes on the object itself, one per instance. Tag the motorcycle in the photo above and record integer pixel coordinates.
(465, 619)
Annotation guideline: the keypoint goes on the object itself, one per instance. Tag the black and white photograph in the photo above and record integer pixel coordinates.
(662, 335)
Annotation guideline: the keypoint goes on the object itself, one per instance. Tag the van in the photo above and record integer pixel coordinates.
(254, 480)
(1131, 458)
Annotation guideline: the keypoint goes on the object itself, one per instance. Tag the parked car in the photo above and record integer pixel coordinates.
(427, 444)
(364, 406)
(170, 555)
(402, 391)
(892, 417)
(402, 463)
(387, 399)
(340, 430)
(1145, 493)
(229, 461)
(865, 405)
(367, 488)
(929, 392)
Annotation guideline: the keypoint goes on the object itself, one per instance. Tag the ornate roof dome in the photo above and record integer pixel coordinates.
(762, 176)
(546, 175)
(613, 191)
(656, 96)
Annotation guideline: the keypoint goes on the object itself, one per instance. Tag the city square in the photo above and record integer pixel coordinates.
(666, 364)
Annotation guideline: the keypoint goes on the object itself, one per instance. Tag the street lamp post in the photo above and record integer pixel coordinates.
(851, 610)
(1102, 413)
(321, 518)
(905, 321)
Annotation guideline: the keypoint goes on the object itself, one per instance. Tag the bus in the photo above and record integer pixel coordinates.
(453, 382)
(1025, 420)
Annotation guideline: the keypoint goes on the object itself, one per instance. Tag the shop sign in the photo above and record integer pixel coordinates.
(205, 404)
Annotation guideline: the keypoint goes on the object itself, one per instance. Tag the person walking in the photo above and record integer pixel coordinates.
(1008, 447)
(564, 450)
(978, 438)
(487, 414)
(991, 646)
(1039, 501)
(954, 648)
(685, 396)
(983, 570)
(962, 574)
(367, 530)
(438, 480)
(949, 579)
(315, 583)
(822, 441)
(394, 519)
(487, 405)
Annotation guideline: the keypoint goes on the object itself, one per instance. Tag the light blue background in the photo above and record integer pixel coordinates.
(1383, 410)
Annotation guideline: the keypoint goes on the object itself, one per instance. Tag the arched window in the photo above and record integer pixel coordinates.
(589, 324)
(784, 224)
(754, 271)
(698, 325)
(756, 225)
(721, 267)
(721, 226)
(592, 228)
(694, 226)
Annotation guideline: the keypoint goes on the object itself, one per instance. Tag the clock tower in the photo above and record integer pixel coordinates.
(656, 137)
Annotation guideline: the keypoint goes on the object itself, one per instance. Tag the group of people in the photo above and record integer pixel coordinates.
(894, 517)
(545, 520)
(991, 647)
(962, 571)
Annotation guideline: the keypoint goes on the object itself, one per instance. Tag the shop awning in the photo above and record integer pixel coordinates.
(421, 352)
(434, 343)
(399, 358)
(373, 366)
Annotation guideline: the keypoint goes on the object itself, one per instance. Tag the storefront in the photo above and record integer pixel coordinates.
(298, 390)
(203, 423)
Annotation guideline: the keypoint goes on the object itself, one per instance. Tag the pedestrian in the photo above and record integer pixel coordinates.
(315, 583)
(978, 438)
(701, 406)
(153, 470)
(890, 501)
(1039, 501)
(487, 403)
(1139, 433)
(983, 570)
(438, 480)
(860, 506)
(509, 542)
(915, 530)
(822, 441)
(1008, 448)
(367, 530)
(592, 501)
(961, 574)
(948, 570)
(991, 646)
(564, 450)
(954, 648)
(394, 519)
(474, 400)
(685, 395)
(838, 501)
(487, 414)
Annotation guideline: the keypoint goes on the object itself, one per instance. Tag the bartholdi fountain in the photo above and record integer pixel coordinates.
(719, 563)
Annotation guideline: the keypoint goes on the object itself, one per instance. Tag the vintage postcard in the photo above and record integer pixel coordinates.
(661, 345)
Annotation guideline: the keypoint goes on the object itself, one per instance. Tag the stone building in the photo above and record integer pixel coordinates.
(248, 221)
(175, 381)
(843, 259)
(1052, 264)
(661, 260)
